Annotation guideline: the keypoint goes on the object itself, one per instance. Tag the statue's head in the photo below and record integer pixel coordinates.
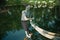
(28, 7)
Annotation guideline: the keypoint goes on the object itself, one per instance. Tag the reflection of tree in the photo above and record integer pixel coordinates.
(10, 22)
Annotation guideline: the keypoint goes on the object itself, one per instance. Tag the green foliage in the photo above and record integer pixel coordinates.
(13, 2)
(31, 2)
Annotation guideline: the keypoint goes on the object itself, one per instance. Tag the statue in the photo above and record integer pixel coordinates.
(24, 20)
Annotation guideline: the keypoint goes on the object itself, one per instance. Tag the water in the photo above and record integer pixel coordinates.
(14, 35)
(20, 35)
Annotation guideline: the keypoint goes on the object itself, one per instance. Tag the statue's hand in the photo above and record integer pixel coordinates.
(30, 18)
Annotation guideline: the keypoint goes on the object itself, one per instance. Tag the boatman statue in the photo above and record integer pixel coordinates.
(24, 20)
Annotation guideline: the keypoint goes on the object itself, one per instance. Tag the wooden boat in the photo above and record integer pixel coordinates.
(45, 33)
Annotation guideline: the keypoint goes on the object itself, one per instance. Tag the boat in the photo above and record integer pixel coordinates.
(47, 34)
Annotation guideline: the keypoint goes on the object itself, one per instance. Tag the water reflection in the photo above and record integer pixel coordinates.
(14, 35)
